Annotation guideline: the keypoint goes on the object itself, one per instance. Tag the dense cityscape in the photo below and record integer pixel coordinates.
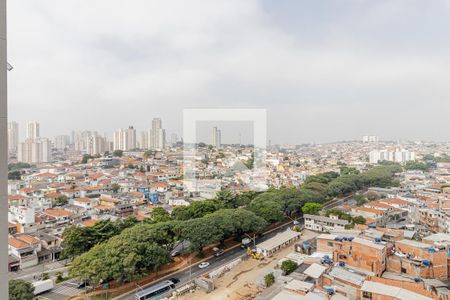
(94, 216)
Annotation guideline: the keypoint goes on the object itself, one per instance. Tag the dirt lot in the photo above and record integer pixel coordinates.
(240, 282)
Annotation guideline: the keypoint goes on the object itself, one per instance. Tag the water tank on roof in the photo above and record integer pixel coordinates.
(350, 239)
(341, 264)
(417, 279)
(431, 250)
(372, 226)
(330, 291)
(426, 263)
(306, 244)
(377, 240)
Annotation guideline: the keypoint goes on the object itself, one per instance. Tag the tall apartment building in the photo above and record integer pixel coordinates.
(370, 139)
(62, 142)
(90, 142)
(34, 151)
(13, 136)
(144, 140)
(96, 144)
(399, 155)
(33, 130)
(125, 139)
(216, 137)
(156, 136)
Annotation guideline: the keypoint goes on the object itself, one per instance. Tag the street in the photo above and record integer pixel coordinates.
(185, 275)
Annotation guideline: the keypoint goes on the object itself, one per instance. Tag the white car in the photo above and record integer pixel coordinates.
(203, 265)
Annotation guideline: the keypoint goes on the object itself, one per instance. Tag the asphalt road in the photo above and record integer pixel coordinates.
(186, 275)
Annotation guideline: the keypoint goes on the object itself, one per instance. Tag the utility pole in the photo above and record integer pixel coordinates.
(3, 157)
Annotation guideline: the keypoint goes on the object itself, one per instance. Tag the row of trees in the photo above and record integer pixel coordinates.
(78, 240)
(146, 247)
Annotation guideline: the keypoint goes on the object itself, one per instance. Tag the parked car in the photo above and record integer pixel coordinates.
(82, 284)
(203, 265)
(219, 253)
(174, 280)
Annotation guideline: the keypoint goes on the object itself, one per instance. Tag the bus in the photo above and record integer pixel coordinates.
(155, 291)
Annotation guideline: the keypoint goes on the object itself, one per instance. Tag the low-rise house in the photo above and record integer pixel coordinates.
(281, 240)
(324, 224)
(419, 260)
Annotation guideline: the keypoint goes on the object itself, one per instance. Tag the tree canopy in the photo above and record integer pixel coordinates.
(312, 208)
(20, 290)
(146, 247)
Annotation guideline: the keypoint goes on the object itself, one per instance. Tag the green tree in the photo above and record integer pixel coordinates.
(159, 214)
(60, 201)
(415, 165)
(149, 153)
(20, 290)
(14, 175)
(269, 210)
(312, 208)
(289, 266)
(226, 199)
(269, 279)
(86, 158)
(59, 277)
(360, 200)
(115, 187)
(359, 220)
(118, 153)
(19, 166)
(197, 209)
(76, 240)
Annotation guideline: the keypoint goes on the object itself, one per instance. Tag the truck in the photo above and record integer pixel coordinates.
(42, 286)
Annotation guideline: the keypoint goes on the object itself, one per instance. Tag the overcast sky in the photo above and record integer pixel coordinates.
(324, 70)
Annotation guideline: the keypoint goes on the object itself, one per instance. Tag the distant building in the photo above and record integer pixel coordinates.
(62, 142)
(216, 137)
(125, 139)
(399, 156)
(157, 135)
(13, 136)
(35, 151)
(33, 130)
(370, 139)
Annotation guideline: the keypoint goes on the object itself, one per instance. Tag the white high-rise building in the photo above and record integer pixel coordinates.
(33, 129)
(144, 144)
(156, 135)
(35, 151)
(216, 137)
(90, 142)
(13, 136)
(399, 156)
(125, 139)
(62, 141)
(96, 144)
(370, 139)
